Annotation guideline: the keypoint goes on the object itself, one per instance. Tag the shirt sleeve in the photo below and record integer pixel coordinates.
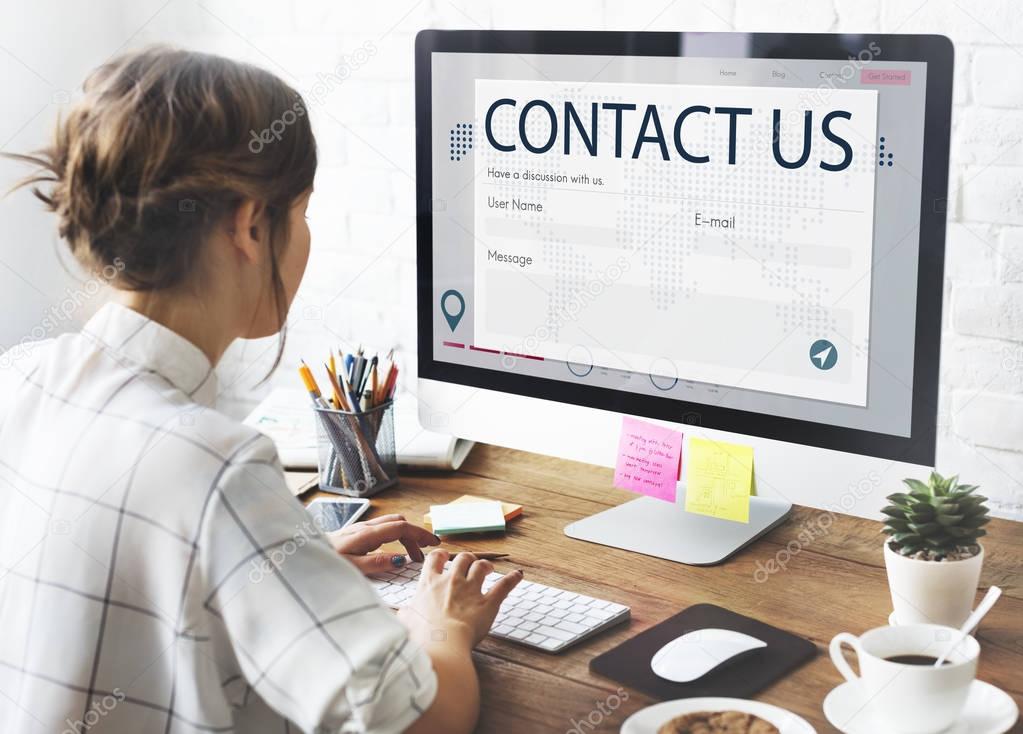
(308, 631)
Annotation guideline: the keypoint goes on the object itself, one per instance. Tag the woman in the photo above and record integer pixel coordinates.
(132, 513)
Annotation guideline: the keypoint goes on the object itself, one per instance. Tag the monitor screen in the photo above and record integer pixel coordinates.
(714, 230)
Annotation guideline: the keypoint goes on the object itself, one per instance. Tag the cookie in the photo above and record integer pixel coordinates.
(717, 722)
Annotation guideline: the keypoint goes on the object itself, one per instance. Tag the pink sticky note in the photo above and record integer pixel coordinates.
(649, 459)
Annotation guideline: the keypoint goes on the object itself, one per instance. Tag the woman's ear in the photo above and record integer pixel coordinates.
(249, 231)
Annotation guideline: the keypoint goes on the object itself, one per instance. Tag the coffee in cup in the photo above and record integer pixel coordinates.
(906, 694)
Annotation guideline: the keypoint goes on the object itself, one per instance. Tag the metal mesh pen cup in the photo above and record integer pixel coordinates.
(356, 451)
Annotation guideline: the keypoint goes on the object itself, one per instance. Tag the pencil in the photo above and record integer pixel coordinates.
(310, 382)
(391, 384)
(352, 397)
(366, 374)
(339, 400)
(482, 556)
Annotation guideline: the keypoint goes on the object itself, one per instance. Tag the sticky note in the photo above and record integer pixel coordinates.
(648, 459)
(510, 509)
(466, 517)
(719, 477)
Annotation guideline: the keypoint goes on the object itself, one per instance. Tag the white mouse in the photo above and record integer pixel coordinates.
(696, 653)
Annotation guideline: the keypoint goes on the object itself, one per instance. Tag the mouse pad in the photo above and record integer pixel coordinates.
(629, 663)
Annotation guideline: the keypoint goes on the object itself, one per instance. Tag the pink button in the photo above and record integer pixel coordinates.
(895, 77)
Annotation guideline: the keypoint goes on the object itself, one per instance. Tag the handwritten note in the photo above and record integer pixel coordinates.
(648, 459)
(719, 476)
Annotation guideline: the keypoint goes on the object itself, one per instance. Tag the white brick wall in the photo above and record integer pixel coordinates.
(361, 283)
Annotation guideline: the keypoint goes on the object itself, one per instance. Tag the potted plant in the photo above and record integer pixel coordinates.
(932, 554)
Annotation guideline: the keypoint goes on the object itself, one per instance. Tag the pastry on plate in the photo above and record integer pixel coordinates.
(717, 722)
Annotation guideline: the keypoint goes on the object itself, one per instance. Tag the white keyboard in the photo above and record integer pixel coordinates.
(539, 616)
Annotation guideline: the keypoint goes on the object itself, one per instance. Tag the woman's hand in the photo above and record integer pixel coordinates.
(358, 541)
(450, 605)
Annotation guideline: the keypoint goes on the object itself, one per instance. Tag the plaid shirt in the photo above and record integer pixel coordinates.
(155, 573)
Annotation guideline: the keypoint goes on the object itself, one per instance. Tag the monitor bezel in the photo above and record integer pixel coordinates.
(935, 50)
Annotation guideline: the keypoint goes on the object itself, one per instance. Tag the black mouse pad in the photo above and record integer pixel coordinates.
(629, 663)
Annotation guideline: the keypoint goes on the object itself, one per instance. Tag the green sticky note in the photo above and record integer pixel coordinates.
(719, 477)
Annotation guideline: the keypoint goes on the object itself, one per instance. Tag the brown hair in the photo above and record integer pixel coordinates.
(164, 144)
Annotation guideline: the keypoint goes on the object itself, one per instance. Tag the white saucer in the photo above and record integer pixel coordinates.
(649, 720)
(988, 710)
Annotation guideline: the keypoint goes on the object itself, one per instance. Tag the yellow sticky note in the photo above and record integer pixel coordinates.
(719, 476)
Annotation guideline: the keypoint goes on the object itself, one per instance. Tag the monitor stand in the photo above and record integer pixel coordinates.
(656, 528)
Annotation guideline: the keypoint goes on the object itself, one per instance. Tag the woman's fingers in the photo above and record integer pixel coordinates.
(460, 566)
(434, 563)
(413, 549)
(500, 590)
(372, 537)
(478, 571)
(375, 563)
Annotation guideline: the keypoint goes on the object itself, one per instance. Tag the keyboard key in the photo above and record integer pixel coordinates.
(575, 629)
(555, 633)
(536, 639)
(574, 617)
(518, 634)
(501, 629)
(551, 644)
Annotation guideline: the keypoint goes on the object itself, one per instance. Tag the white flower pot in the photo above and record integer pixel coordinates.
(932, 592)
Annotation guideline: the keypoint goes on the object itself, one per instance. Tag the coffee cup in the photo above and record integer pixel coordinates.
(904, 692)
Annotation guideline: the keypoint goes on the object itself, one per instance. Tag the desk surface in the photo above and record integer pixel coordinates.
(834, 581)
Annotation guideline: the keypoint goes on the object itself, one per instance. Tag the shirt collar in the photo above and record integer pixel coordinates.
(152, 346)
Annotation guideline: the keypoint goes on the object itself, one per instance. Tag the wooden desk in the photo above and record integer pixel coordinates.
(833, 581)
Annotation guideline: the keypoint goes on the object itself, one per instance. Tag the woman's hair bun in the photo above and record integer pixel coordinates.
(161, 146)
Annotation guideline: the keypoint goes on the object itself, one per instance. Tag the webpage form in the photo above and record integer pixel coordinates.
(720, 234)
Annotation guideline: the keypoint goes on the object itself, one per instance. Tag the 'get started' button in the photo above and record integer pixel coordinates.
(895, 77)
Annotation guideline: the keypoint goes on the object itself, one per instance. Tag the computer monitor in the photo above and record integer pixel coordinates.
(738, 234)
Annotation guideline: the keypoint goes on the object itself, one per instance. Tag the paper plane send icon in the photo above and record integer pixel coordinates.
(823, 354)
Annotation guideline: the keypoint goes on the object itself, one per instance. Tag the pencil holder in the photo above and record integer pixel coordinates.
(356, 451)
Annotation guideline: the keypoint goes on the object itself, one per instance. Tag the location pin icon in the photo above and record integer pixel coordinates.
(453, 317)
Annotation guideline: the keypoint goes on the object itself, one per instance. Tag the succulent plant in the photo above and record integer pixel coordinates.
(935, 520)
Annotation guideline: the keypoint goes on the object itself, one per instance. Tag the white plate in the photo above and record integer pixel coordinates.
(649, 720)
(988, 710)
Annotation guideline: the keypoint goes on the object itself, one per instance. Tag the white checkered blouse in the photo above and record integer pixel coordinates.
(155, 573)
